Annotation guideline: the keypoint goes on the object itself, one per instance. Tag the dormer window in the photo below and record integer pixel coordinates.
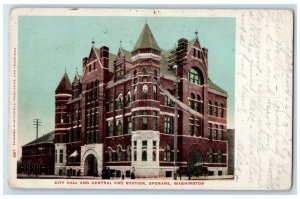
(119, 71)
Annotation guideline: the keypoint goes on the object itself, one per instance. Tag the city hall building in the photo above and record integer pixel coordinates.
(120, 113)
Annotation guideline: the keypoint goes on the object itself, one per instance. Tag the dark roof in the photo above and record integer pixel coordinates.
(215, 87)
(146, 40)
(48, 138)
(64, 85)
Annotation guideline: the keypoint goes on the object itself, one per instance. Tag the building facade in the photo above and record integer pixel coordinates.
(120, 113)
(38, 156)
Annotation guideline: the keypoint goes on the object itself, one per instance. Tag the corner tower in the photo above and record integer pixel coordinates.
(146, 56)
(63, 92)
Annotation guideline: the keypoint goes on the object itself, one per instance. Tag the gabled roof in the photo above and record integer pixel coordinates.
(111, 57)
(64, 85)
(48, 138)
(146, 40)
(214, 87)
(126, 53)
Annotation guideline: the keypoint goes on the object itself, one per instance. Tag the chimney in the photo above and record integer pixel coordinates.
(104, 56)
(183, 43)
(84, 61)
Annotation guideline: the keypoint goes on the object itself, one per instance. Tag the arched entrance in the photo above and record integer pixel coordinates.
(195, 161)
(90, 166)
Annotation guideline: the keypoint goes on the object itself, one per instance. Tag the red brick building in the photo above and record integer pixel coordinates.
(38, 156)
(115, 115)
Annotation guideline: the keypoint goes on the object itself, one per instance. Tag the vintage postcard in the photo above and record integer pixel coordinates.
(196, 99)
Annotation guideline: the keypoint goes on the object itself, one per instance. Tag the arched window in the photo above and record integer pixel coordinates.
(222, 111)
(219, 156)
(210, 110)
(119, 127)
(192, 100)
(109, 155)
(216, 109)
(210, 155)
(119, 153)
(195, 76)
(128, 153)
(120, 101)
(128, 99)
(168, 156)
(110, 129)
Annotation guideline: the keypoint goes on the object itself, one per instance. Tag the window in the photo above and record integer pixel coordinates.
(128, 99)
(195, 76)
(197, 128)
(191, 101)
(222, 111)
(216, 109)
(119, 71)
(144, 150)
(210, 107)
(154, 120)
(168, 124)
(110, 105)
(61, 156)
(134, 93)
(135, 121)
(119, 101)
(110, 129)
(134, 150)
(129, 125)
(61, 118)
(155, 74)
(216, 131)
(222, 132)
(197, 102)
(168, 101)
(210, 131)
(168, 153)
(119, 153)
(119, 127)
(145, 72)
(145, 91)
(55, 155)
(92, 137)
(154, 151)
(145, 120)
(145, 79)
(61, 138)
(109, 155)
(210, 155)
(219, 156)
(191, 127)
(128, 153)
(154, 92)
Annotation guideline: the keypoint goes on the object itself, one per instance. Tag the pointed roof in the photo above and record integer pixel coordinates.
(64, 85)
(48, 138)
(146, 40)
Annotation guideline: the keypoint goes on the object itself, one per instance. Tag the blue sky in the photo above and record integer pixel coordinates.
(48, 45)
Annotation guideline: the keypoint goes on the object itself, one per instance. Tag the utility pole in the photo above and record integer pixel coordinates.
(177, 60)
(37, 123)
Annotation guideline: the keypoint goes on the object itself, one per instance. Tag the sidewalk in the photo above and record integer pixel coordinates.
(224, 177)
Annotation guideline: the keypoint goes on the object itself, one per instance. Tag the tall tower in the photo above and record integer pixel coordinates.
(62, 93)
(146, 57)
